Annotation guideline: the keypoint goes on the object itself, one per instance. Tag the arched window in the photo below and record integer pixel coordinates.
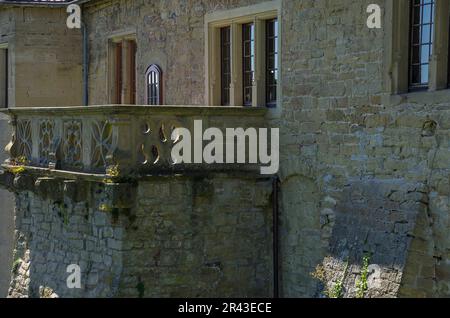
(154, 85)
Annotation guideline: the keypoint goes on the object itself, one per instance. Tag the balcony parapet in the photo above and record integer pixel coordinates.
(114, 141)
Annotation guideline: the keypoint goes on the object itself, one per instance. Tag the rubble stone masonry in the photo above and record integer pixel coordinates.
(364, 174)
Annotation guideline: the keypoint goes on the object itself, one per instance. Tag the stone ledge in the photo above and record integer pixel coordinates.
(182, 110)
(120, 195)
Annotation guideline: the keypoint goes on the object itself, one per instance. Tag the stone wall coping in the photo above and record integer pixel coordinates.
(224, 172)
(138, 110)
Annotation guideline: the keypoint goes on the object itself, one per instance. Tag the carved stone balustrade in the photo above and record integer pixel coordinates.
(114, 141)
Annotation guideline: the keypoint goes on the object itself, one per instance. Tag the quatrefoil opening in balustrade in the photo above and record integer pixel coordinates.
(156, 146)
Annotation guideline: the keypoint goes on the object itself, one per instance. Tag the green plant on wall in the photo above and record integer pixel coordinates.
(18, 165)
(105, 208)
(337, 291)
(361, 283)
(113, 171)
(16, 265)
(16, 169)
(337, 288)
(63, 212)
(140, 288)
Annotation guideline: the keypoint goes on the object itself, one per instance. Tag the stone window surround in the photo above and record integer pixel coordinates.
(396, 59)
(120, 36)
(258, 14)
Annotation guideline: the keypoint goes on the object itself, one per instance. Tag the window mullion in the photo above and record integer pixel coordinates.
(259, 95)
(214, 66)
(439, 58)
(236, 96)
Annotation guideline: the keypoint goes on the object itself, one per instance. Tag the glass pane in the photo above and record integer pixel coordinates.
(426, 33)
(421, 37)
(425, 54)
(427, 10)
(225, 44)
(424, 74)
(271, 62)
(248, 61)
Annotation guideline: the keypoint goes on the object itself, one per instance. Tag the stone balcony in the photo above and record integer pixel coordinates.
(114, 141)
(96, 186)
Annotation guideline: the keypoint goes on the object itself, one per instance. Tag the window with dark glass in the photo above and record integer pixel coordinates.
(132, 72)
(448, 59)
(4, 78)
(248, 65)
(225, 58)
(421, 42)
(123, 71)
(271, 62)
(154, 86)
(118, 73)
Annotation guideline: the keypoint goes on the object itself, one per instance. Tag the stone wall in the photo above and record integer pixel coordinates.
(163, 237)
(45, 70)
(6, 219)
(363, 172)
(342, 129)
(6, 199)
(338, 123)
(168, 33)
(47, 59)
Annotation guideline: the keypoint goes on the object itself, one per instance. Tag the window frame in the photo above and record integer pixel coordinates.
(235, 18)
(412, 86)
(5, 75)
(154, 68)
(225, 62)
(248, 62)
(122, 83)
(270, 103)
(397, 54)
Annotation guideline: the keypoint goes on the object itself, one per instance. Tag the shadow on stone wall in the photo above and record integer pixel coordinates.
(375, 221)
(300, 236)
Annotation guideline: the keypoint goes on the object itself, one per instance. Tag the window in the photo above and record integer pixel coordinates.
(271, 62)
(448, 52)
(248, 62)
(421, 45)
(122, 70)
(154, 85)
(417, 46)
(118, 72)
(225, 58)
(242, 49)
(4, 78)
(131, 89)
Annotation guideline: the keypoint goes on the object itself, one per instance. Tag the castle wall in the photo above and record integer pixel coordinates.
(342, 128)
(181, 237)
(170, 34)
(339, 125)
(6, 199)
(6, 219)
(363, 172)
(47, 59)
(44, 70)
